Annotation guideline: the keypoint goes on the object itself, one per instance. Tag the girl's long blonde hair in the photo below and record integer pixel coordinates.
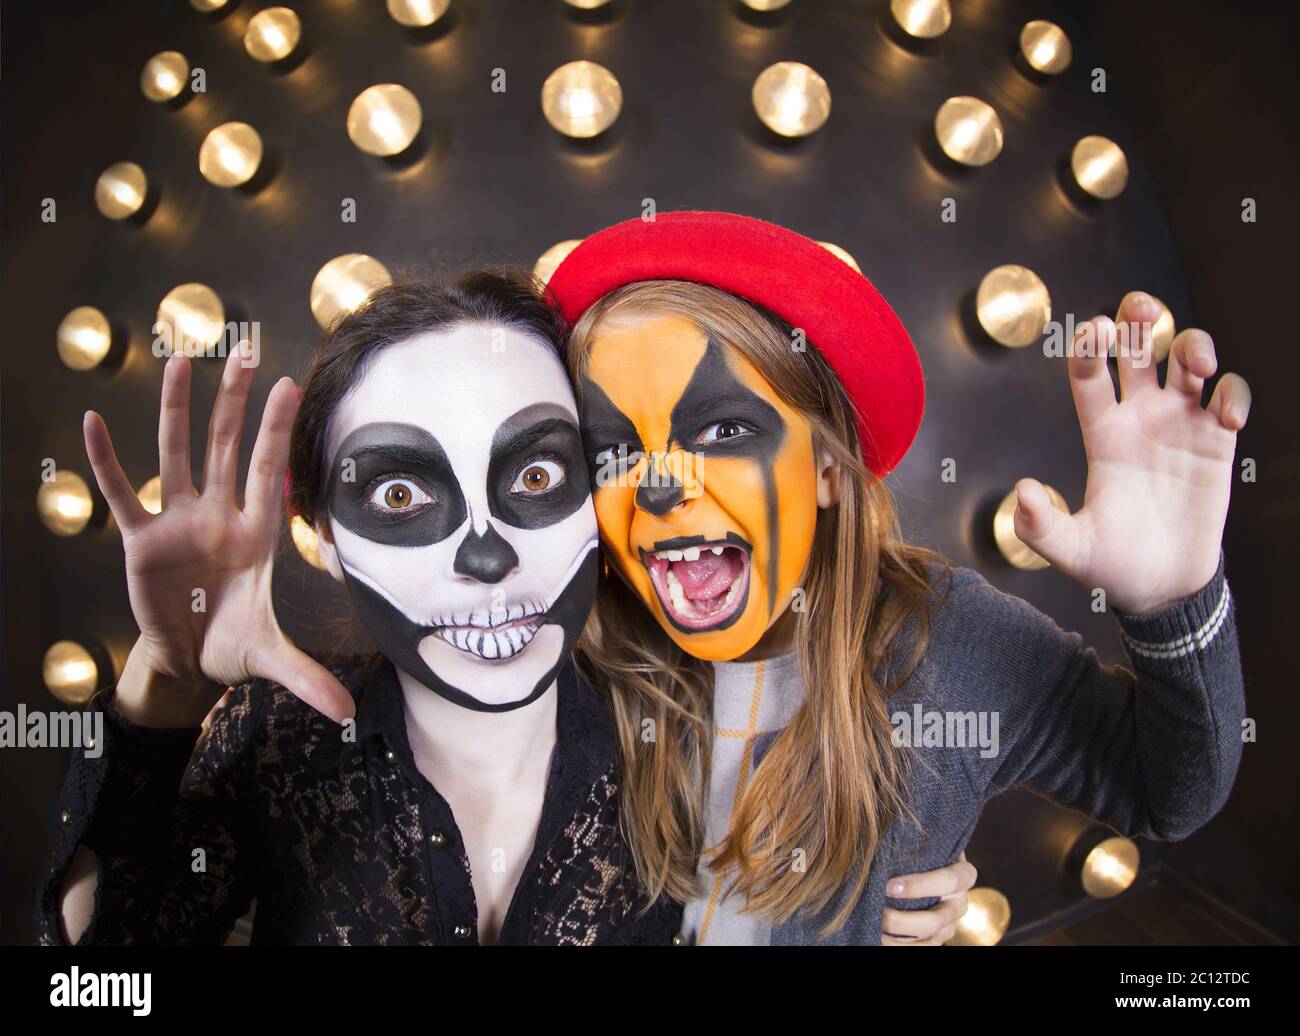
(832, 782)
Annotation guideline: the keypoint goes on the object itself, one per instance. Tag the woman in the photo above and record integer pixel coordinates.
(470, 793)
(743, 394)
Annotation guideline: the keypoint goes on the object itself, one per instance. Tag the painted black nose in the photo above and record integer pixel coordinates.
(660, 491)
(659, 500)
(487, 557)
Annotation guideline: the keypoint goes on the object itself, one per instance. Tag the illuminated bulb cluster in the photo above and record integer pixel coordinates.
(70, 672)
(549, 261)
(969, 131)
(384, 119)
(84, 338)
(343, 284)
(306, 541)
(1110, 867)
(150, 495)
(1012, 547)
(207, 6)
(64, 503)
(164, 76)
(987, 917)
(230, 154)
(1013, 305)
(416, 14)
(1046, 47)
(765, 5)
(841, 254)
(1163, 331)
(120, 190)
(1099, 167)
(581, 99)
(191, 318)
(791, 99)
(273, 34)
(591, 5)
(924, 19)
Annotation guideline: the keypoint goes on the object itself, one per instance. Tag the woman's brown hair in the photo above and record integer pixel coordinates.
(832, 782)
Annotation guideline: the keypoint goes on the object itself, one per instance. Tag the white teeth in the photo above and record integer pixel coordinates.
(676, 594)
(731, 594)
(674, 555)
(691, 554)
(490, 646)
(716, 550)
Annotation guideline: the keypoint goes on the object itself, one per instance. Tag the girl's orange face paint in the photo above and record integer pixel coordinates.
(704, 482)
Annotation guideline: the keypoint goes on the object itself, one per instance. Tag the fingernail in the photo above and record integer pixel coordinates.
(895, 888)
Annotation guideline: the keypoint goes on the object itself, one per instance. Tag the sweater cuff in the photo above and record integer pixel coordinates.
(1184, 628)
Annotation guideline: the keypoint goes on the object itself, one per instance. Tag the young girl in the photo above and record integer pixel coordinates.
(472, 793)
(743, 393)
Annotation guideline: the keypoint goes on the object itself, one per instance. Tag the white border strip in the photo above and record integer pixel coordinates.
(1185, 645)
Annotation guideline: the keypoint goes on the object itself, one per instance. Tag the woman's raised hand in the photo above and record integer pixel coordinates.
(199, 573)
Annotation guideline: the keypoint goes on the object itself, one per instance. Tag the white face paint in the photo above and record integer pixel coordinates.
(460, 509)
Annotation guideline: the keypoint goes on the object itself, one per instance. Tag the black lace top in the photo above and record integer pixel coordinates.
(338, 841)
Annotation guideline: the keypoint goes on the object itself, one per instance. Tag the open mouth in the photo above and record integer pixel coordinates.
(499, 633)
(703, 585)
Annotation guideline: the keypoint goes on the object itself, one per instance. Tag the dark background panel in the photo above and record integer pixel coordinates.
(1196, 98)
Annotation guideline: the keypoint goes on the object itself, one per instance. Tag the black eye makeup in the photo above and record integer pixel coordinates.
(393, 484)
(536, 474)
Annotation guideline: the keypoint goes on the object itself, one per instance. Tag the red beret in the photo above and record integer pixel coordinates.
(803, 283)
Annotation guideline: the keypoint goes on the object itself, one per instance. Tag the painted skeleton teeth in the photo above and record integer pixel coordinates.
(488, 644)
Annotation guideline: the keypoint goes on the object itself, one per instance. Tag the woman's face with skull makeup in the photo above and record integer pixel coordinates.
(458, 513)
(705, 481)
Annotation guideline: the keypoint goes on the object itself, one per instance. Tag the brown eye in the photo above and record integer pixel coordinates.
(538, 477)
(720, 431)
(398, 495)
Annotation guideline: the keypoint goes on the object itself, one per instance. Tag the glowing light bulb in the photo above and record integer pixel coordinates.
(84, 338)
(207, 6)
(191, 319)
(70, 672)
(150, 495)
(164, 75)
(384, 119)
(343, 284)
(791, 99)
(417, 13)
(306, 541)
(64, 503)
(230, 154)
(924, 19)
(1011, 546)
(765, 5)
(581, 99)
(1099, 167)
(591, 5)
(987, 917)
(272, 34)
(969, 131)
(840, 253)
(1013, 305)
(1163, 331)
(1046, 47)
(549, 261)
(1110, 867)
(120, 190)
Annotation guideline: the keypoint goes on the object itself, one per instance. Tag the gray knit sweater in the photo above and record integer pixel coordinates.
(1149, 751)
